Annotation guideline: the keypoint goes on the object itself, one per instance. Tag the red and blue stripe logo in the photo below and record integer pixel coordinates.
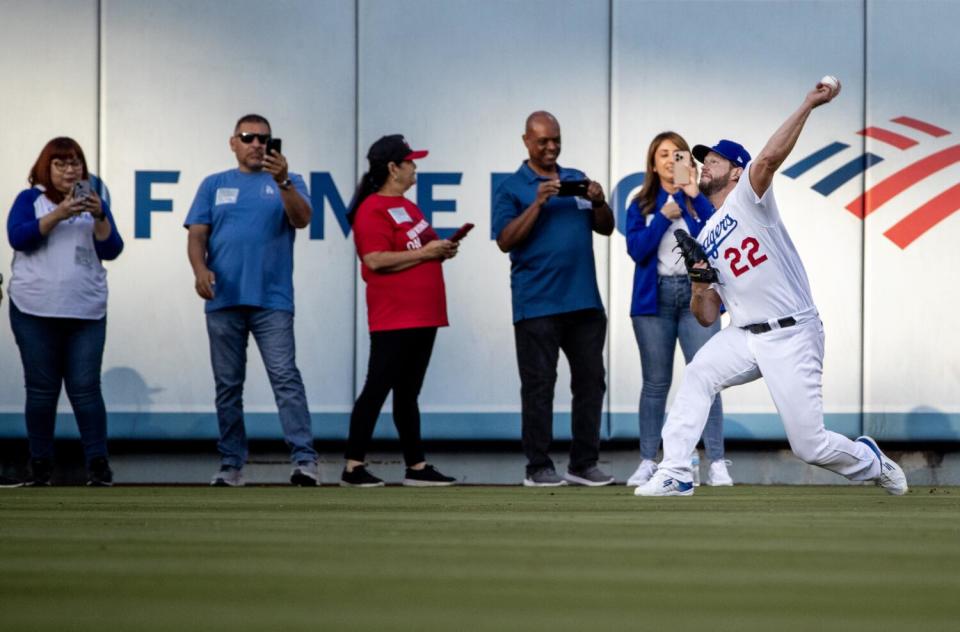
(919, 220)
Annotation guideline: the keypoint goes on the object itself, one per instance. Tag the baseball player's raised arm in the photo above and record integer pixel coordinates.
(781, 143)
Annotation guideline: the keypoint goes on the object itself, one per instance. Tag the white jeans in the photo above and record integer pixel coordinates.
(791, 361)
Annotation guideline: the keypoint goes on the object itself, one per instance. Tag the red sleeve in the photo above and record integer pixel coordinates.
(372, 230)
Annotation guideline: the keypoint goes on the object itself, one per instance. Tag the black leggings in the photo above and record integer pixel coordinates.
(398, 363)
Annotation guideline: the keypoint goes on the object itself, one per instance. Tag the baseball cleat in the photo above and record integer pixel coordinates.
(891, 476)
(662, 484)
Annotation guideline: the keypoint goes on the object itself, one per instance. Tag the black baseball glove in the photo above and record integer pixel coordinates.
(692, 252)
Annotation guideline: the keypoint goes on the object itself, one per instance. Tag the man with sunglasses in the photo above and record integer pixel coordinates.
(241, 227)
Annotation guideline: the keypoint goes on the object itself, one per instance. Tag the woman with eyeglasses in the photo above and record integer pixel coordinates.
(660, 305)
(61, 231)
(401, 258)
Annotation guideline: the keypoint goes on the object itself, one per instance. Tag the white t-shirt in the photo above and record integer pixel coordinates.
(64, 277)
(669, 262)
(761, 275)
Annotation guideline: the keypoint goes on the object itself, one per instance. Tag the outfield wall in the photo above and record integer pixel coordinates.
(151, 91)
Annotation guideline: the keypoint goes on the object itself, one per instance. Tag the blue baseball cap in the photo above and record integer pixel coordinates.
(734, 152)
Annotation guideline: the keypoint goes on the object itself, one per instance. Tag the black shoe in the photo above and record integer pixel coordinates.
(99, 474)
(359, 477)
(429, 476)
(9, 482)
(41, 470)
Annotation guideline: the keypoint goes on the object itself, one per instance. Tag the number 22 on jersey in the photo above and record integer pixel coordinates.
(749, 247)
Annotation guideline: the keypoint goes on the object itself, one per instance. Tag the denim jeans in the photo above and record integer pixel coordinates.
(229, 329)
(66, 351)
(580, 335)
(657, 336)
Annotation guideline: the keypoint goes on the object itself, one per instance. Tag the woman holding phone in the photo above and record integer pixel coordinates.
(660, 306)
(61, 231)
(401, 259)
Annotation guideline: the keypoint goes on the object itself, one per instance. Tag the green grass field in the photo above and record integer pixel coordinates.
(272, 558)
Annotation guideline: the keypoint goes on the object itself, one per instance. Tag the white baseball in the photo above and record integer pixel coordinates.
(830, 80)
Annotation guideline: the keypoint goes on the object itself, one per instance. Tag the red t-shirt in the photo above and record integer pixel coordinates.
(415, 297)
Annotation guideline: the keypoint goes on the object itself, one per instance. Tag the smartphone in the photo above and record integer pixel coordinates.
(681, 168)
(461, 232)
(81, 189)
(274, 144)
(570, 188)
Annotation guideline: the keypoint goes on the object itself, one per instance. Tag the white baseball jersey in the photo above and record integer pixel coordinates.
(761, 277)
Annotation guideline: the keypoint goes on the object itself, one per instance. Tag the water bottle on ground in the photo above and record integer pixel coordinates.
(695, 466)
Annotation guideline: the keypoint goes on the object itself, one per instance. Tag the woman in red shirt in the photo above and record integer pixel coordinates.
(401, 258)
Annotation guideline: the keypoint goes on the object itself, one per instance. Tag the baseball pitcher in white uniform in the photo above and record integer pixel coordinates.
(775, 331)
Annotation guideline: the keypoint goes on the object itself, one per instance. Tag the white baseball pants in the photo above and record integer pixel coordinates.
(791, 361)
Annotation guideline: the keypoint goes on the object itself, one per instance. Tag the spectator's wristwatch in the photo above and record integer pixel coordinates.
(286, 184)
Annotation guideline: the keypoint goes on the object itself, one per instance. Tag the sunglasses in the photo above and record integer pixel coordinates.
(247, 137)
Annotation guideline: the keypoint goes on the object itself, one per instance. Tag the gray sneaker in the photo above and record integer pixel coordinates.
(547, 477)
(305, 474)
(227, 477)
(592, 476)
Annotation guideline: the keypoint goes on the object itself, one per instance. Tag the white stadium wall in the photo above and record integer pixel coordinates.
(151, 91)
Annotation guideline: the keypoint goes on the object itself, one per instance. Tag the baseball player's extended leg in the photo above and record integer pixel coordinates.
(791, 360)
(724, 361)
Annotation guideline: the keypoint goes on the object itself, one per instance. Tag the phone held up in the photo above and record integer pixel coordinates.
(81, 189)
(681, 168)
(274, 144)
(461, 232)
(569, 188)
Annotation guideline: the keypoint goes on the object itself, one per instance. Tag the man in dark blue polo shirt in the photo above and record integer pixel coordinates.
(556, 303)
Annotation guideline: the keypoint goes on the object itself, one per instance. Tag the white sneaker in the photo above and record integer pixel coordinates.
(662, 484)
(891, 476)
(644, 472)
(719, 476)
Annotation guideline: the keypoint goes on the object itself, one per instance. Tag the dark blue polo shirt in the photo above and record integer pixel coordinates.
(552, 271)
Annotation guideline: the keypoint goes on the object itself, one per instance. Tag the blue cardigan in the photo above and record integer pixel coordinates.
(643, 240)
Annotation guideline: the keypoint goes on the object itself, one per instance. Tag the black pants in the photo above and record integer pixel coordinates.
(398, 363)
(580, 335)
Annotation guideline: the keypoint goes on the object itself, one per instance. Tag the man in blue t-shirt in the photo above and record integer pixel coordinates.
(548, 232)
(241, 229)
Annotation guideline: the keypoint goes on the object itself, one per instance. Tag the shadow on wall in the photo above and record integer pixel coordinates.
(125, 388)
(927, 423)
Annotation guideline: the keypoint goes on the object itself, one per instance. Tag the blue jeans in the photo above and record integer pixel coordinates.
(57, 351)
(657, 336)
(229, 329)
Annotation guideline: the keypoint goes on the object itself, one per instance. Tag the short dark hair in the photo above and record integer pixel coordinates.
(251, 118)
(59, 148)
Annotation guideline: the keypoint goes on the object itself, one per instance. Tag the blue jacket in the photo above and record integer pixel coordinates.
(643, 241)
